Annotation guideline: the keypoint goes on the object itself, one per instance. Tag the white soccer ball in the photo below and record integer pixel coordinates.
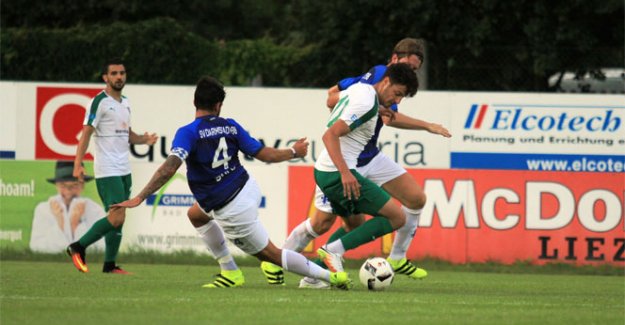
(376, 274)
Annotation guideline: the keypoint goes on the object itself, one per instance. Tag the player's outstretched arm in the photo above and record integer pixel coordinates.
(160, 177)
(402, 121)
(298, 150)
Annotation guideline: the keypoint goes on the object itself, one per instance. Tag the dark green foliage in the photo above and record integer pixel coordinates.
(155, 51)
(472, 45)
(243, 60)
(220, 19)
(77, 53)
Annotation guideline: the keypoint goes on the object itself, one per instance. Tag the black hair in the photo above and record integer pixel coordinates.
(109, 62)
(208, 92)
(402, 74)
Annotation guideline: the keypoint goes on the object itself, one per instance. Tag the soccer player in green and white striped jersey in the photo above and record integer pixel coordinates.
(351, 126)
(108, 121)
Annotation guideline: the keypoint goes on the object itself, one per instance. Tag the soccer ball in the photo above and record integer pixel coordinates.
(376, 274)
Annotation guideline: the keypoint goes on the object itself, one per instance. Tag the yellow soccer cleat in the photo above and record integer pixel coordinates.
(273, 273)
(227, 279)
(404, 266)
(341, 280)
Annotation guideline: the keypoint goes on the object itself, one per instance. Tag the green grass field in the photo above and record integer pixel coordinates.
(55, 293)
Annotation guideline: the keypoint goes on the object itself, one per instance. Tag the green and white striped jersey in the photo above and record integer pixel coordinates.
(111, 120)
(358, 108)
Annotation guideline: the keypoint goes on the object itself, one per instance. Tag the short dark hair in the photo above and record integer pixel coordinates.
(409, 46)
(208, 92)
(402, 74)
(109, 62)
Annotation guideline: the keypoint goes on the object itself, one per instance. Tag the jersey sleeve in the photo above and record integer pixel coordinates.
(374, 75)
(93, 116)
(247, 144)
(183, 143)
(345, 83)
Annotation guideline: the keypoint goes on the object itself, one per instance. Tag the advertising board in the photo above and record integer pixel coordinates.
(534, 177)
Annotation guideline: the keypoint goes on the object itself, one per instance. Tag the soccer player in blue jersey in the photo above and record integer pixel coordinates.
(210, 145)
(377, 167)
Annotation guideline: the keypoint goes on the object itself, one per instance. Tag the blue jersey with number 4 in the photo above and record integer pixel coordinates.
(210, 147)
(372, 77)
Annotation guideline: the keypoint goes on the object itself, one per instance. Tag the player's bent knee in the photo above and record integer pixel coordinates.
(197, 217)
(116, 223)
(323, 227)
(353, 221)
(322, 222)
(417, 202)
(394, 214)
(116, 217)
(398, 222)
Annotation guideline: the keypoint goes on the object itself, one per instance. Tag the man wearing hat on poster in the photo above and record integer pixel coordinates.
(64, 217)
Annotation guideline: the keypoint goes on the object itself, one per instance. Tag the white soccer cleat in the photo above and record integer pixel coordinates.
(312, 283)
(333, 261)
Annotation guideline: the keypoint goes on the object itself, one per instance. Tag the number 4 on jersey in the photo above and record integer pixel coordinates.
(222, 150)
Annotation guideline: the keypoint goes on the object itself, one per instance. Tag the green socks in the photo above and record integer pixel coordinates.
(113, 238)
(97, 231)
(368, 231)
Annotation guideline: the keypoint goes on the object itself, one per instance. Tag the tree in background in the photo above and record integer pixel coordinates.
(475, 45)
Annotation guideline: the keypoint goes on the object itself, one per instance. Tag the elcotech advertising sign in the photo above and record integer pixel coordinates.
(556, 133)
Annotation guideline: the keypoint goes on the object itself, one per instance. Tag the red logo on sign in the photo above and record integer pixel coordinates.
(60, 115)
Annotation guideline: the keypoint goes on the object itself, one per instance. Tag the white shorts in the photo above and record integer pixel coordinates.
(240, 222)
(379, 170)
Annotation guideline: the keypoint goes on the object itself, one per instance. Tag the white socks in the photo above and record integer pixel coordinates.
(297, 263)
(213, 237)
(405, 234)
(300, 237)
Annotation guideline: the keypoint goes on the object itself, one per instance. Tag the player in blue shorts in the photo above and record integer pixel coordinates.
(220, 184)
(377, 167)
